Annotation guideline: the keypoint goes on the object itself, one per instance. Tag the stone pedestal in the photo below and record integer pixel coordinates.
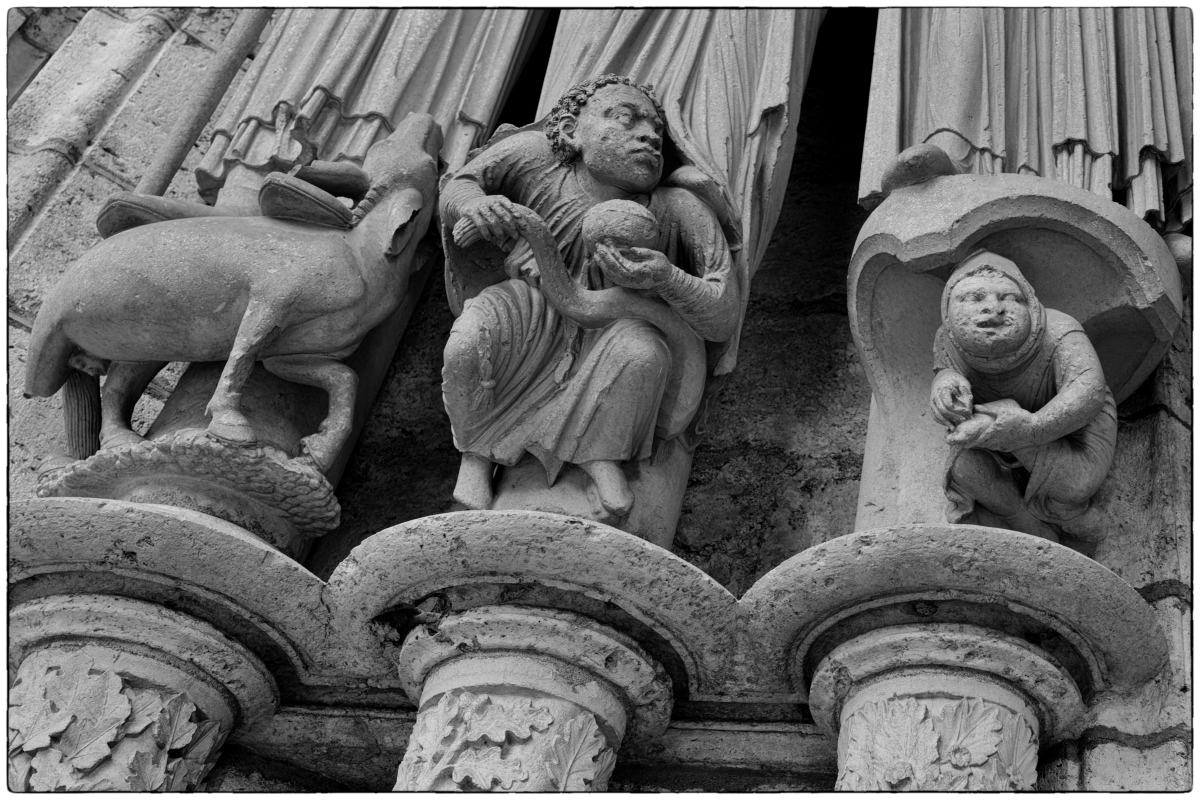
(114, 694)
(941, 707)
(523, 699)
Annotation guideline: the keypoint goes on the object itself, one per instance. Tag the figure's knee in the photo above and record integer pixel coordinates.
(644, 350)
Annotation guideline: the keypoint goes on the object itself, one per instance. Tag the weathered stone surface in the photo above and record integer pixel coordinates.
(99, 78)
(1128, 302)
(1114, 767)
(1166, 701)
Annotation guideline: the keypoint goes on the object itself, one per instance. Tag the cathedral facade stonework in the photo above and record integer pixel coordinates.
(586, 400)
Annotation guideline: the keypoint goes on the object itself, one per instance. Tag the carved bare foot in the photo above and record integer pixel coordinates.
(611, 485)
(474, 486)
(231, 427)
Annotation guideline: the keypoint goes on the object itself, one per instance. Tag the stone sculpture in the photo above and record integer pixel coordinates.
(298, 296)
(527, 370)
(328, 82)
(1022, 394)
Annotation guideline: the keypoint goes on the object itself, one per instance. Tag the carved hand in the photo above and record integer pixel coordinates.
(1002, 425)
(951, 398)
(634, 267)
(491, 217)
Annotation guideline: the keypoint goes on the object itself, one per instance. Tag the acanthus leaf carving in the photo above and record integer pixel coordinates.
(487, 718)
(1016, 762)
(485, 766)
(971, 745)
(575, 757)
(466, 733)
(32, 722)
(100, 710)
(115, 737)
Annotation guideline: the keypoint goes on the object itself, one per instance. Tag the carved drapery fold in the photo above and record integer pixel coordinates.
(1093, 97)
(328, 83)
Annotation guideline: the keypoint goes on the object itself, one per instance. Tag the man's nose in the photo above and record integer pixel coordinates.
(651, 137)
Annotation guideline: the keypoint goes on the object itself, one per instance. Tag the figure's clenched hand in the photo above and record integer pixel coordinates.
(1001, 425)
(951, 398)
(634, 267)
(491, 217)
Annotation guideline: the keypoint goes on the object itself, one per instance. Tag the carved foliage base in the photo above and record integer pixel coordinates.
(75, 724)
(505, 742)
(911, 744)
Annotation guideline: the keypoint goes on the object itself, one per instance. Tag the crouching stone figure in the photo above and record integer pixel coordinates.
(1021, 391)
(528, 369)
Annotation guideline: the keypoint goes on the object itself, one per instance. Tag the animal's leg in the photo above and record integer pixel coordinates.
(228, 423)
(124, 385)
(340, 382)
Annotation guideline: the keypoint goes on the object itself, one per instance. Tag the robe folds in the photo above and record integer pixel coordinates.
(537, 383)
(328, 83)
(1098, 97)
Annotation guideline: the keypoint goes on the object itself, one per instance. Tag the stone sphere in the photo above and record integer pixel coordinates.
(623, 223)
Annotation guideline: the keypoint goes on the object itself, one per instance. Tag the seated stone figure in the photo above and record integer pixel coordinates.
(520, 375)
(1022, 394)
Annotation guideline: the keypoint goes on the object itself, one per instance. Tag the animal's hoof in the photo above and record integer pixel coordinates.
(318, 455)
(120, 439)
(239, 435)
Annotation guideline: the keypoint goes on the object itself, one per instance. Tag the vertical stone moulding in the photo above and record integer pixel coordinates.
(94, 707)
(943, 707)
(525, 699)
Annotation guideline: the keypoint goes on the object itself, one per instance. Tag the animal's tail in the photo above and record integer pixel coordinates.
(48, 370)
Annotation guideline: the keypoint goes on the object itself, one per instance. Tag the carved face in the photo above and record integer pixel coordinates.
(989, 314)
(619, 136)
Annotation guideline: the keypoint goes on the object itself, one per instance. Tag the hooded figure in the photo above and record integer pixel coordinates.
(1022, 393)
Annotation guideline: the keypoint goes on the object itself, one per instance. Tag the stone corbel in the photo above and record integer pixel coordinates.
(1090, 258)
(524, 699)
(116, 694)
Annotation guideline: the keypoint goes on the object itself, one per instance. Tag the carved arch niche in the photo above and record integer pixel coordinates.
(1084, 255)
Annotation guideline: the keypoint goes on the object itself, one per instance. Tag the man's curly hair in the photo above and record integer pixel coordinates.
(575, 99)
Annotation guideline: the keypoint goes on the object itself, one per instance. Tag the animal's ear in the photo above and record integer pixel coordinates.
(402, 216)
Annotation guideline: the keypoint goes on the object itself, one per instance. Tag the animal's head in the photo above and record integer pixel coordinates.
(403, 171)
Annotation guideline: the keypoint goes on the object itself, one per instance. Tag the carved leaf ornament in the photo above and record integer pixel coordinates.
(466, 733)
(898, 745)
(82, 728)
(579, 760)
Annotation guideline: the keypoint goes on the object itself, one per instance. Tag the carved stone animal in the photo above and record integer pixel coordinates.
(295, 295)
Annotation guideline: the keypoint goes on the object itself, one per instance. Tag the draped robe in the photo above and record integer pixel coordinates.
(1098, 97)
(329, 82)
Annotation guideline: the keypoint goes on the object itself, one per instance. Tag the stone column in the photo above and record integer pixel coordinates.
(113, 694)
(943, 707)
(525, 699)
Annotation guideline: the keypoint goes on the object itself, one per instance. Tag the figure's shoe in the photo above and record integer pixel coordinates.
(474, 486)
(612, 487)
